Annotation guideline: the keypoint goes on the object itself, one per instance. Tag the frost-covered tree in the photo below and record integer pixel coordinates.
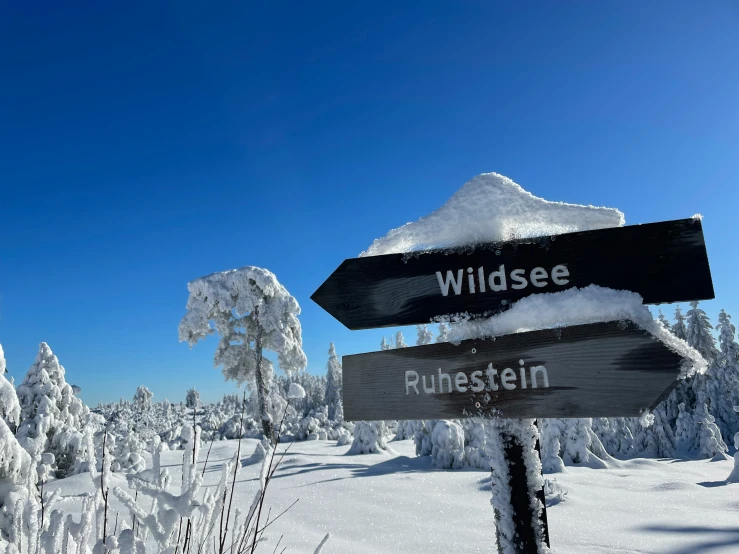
(370, 437)
(734, 476)
(250, 311)
(726, 335)
(142, 398)
(663, 321)
(443, 335)
(333, 384)
(710, 442)
(17, 474)
(699, 333)
(400, 340)
(52, 417)
(192, 400)
(425, 336)
(384, 345)
(679, 329)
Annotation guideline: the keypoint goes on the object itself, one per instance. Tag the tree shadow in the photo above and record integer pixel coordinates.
(711, 484)
(723, 537)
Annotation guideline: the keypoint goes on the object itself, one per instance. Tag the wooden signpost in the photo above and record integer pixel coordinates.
(663, 262)
(612, 369)
(609, 369)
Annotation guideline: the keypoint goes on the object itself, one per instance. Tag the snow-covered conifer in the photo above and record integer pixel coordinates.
(699, 333)
(710, 442)
(142, 398)
(552, 434)
(52, 416)
(251, 311)
(663, 321)
(333, 384)
(399, 340)
(685, 430)
(370, 437)
(443, 335)
(679, 329)
(384, 344)
(192, 400)
(734, 476)
(447, 445)
(425, 336)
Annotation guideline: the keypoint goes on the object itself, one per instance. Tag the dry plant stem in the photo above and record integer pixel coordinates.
(233, 482)
(208, 454)
(278, 544)
(104, 492)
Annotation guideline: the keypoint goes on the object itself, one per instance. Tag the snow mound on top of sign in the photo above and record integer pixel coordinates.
(492, 208)
(592, 304)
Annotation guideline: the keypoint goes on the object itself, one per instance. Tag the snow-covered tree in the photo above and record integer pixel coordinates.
(399, 340)
(52, 417)
(192, 400)
(663, 321)
(699, 333)
(734, 476)
(333, 384)
(142, 398)
(425, 336)
(726, 335)
(679, 329)
(251, 311)
(443, 335)
(370, 437)
(384, 345)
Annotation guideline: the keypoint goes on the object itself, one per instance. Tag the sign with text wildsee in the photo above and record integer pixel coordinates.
(612, 369)
(663, 262)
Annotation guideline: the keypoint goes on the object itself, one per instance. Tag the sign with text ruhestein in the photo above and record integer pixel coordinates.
(612, 369)
(663, 262)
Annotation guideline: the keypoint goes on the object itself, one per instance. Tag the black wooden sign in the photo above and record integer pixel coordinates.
(663, 262)
(610, 369)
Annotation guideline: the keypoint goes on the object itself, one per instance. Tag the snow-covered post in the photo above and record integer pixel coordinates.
(518, 493)
(250, 310)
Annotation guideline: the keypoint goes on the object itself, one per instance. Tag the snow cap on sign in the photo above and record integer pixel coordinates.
(492, 208)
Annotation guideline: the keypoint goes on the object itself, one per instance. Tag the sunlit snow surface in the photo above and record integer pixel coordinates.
(390, 503)
(492, 208)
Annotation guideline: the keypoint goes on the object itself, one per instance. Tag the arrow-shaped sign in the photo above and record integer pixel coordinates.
(663, 262)
(610, 369)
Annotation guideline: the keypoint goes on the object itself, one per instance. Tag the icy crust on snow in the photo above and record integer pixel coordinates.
(591, 304)
(492, 208)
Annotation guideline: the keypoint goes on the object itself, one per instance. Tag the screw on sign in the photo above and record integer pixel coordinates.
(610, 369)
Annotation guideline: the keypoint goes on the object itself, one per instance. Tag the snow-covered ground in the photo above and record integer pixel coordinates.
(398, 503)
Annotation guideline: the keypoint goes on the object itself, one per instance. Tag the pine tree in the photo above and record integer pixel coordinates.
(424, 335)
(699, 333)
(333, 384)
(679, 329)
(52, 417)
(399, 340)
(443, 335)
(663, 321)
(384, 345)
(192, 399)
(142, 398)
(251, 311)
(727, 393)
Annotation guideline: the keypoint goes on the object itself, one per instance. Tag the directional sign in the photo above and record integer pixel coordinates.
(610, 369)
(663, 262)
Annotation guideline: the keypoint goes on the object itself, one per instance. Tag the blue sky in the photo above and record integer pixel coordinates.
(144, 146)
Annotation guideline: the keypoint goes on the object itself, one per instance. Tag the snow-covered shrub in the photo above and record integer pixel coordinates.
(474, 439)
(422, 436)
(405, 430)
(369, 437)
(447, 445)
(734, 476)
(192, 400)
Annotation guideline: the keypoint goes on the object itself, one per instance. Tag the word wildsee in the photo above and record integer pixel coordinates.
(498, 280)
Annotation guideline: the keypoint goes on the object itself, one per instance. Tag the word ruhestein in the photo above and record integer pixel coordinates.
(498, 281)
(509, 380)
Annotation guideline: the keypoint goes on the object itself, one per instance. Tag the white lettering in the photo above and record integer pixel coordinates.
(471, 280)
(523, 375)
(477, 383)
(456, 284)
(533, 371)
(520, 280)
(443, 376)
(481, 278)
(536, 274)
(500, 275)
(460, 380)
(508, 375)
(425, 388)
(492, 373)
(413, 383)
(558, 272)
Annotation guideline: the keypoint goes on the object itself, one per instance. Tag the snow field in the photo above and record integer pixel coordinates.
(399, 503)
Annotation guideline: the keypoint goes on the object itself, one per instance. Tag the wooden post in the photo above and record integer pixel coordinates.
(525, 522)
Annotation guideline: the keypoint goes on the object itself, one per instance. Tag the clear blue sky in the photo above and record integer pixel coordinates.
(143, 146)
